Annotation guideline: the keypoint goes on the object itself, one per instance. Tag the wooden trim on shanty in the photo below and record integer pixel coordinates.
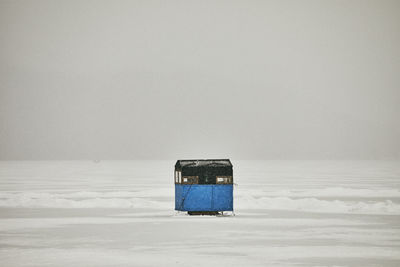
(230, 179)
(190, 179)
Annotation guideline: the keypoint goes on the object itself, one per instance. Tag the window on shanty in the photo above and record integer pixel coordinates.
(190, 179)
(224, 179)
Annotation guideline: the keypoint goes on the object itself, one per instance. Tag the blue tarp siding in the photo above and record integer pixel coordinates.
(208, 197)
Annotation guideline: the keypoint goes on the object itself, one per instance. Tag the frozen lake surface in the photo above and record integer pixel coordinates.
(120, 213)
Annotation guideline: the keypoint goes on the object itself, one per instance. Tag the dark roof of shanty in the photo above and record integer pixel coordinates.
(192, 163)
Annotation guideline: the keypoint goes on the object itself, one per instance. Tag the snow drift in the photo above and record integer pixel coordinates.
(163, 199)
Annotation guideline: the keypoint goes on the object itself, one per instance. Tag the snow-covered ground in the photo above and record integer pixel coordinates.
(120, 213)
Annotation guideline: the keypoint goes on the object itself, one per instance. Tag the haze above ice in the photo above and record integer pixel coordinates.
(179, 79)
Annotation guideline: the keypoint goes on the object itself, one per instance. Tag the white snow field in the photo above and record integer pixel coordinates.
(121, 213)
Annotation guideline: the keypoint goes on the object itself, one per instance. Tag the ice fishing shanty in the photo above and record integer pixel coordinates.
(204, 186)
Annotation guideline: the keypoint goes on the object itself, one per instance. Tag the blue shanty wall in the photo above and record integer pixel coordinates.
(204, 197)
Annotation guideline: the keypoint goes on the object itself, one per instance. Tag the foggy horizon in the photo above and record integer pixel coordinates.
(212, 79)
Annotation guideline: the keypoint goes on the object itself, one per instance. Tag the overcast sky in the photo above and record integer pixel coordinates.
(199, 79)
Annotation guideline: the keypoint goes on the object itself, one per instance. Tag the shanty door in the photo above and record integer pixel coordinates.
(222, 197)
